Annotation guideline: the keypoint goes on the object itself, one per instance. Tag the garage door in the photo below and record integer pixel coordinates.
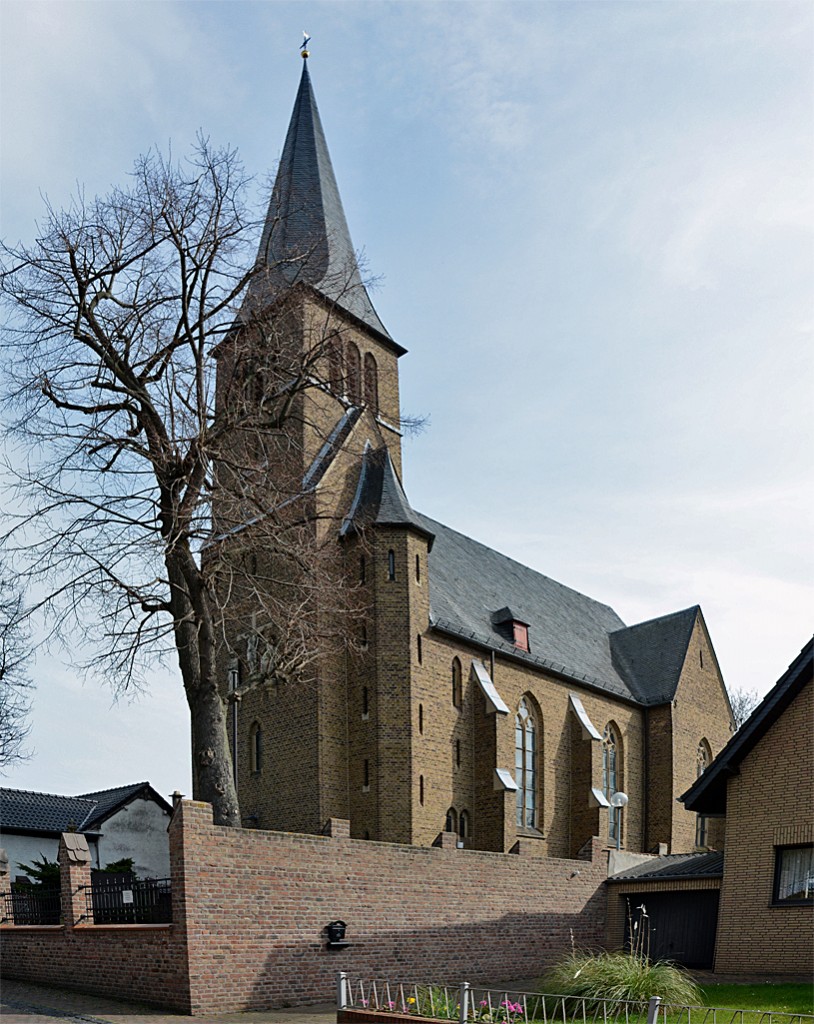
(681, 925)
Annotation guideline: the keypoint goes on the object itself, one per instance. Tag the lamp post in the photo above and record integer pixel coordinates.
(617, 802)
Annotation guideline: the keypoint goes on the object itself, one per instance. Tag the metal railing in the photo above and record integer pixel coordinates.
(31, 905)
(125, 901)
(469, 1004)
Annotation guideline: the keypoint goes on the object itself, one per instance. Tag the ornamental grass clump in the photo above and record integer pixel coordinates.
(626, 976)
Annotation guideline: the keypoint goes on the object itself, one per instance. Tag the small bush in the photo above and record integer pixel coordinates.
(620, 976)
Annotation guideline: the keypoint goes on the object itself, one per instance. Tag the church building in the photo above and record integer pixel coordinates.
(479, 698)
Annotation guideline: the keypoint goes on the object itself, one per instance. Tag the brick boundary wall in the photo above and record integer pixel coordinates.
(250, 908)
(142, 962)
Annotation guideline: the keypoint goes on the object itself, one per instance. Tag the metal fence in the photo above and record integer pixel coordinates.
(31, 904)
(122, 900)
(469, 1004)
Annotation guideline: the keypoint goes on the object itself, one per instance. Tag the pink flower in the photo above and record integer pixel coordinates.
(484, 1002)
(364, 1002)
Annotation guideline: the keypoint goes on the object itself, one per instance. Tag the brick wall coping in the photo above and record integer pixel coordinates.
(382, 1017)
(32, 927)
(92, 929)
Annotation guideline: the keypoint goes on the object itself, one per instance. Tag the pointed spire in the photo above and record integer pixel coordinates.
(306, 237)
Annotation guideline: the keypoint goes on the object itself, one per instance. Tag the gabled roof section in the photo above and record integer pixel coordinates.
(26, 811)
(305, 238)
(707, 795)
(108, 801)
(674, 867)
(380, 499)
(650, 655)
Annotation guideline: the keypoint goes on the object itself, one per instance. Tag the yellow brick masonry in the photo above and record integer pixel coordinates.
(769, 804)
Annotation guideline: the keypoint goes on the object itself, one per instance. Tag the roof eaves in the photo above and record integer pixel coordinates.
(510, 651)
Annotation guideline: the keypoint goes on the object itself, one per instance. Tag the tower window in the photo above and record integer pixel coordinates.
(391, 564)
(463, 825)
(371, 384)
(366, 776)
(421, 719)
(419, 649)
(365, 703)
(256, 748)
(457, 684)
(418, 568)
(354, 374)
(457, 753)
(421, 790)
(336, 370)
(451, 823)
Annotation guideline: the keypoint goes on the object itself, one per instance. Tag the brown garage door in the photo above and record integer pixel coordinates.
(681, 924)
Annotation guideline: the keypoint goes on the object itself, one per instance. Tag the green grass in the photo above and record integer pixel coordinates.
(780, 998)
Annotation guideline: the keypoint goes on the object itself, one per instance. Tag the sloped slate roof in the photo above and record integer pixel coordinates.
(568, 632)
(380, 498)
(305, 238)
(472, 587)
(707, 795)
(654, 651)
(675, 866)
(22, 809)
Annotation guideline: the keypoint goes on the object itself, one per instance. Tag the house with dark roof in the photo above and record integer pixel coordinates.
(482, 697)
(762, 783)
(126, 821)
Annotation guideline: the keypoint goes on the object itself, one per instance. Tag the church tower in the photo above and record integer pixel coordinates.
(308, 379)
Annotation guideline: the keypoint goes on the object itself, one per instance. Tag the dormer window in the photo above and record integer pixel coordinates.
(521, 635)
(512, 627)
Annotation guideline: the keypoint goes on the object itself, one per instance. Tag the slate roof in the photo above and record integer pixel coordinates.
(380, 497)
(654, 650)
(675, 866)
(305, 237)
(707, 795)
(570, 634)
(24, 810)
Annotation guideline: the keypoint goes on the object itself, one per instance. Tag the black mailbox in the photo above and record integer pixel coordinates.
(336, 934)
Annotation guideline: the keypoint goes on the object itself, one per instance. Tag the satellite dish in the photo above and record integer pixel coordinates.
(619, 800)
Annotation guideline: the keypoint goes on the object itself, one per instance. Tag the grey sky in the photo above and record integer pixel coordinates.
(593, 224)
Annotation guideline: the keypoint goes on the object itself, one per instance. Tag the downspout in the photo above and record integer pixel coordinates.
(646, 781)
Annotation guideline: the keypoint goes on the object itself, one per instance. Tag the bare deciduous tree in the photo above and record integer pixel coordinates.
(14, 683)
(743, 703)
(118, 315)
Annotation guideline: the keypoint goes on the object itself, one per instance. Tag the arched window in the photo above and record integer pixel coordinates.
(703, 758)
(336, 368)
(354, 374)
(421, 790)
(419, 649)
(371, 384)
(525, 763)
(256, 747)
(451, 824)
(611, 777)
(421, 719)
(418, 568)
(391, 564)
(457, 683)
(463, 825)
(457, 753)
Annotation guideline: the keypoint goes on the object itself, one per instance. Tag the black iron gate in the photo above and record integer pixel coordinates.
(677, 926)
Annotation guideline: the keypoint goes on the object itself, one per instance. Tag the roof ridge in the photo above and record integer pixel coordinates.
(661, 618)
(41, 792)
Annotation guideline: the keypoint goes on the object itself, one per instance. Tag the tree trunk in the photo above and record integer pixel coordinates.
(212, 777)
